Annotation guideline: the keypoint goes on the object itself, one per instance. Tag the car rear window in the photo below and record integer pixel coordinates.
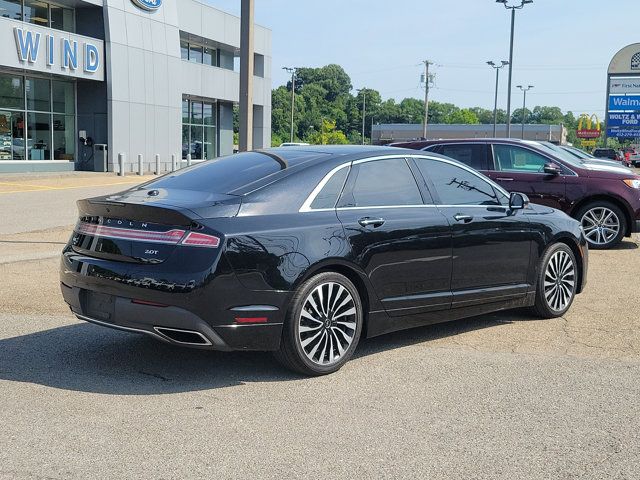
(226, 174)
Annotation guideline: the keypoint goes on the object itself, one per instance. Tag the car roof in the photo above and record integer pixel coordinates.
(295, 155)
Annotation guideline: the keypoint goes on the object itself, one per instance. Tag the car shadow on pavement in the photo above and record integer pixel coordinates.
(87, 358)
(626, 245)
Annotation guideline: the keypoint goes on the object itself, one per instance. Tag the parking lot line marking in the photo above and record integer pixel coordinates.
(42, 188)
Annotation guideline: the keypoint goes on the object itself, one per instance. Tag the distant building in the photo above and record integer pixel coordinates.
(399, 132)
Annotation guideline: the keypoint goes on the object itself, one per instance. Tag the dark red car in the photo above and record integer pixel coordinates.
(604, 196)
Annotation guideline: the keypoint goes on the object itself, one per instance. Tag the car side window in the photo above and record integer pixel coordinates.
(381, 183)
(472, 155)
(456, 185)
(328, 196)
(510, 158)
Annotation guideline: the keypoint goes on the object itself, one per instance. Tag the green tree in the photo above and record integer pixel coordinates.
(328, 135)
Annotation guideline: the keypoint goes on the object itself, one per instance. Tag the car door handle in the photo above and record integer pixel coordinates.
(369, 221)
(504, 179)
(459, 217)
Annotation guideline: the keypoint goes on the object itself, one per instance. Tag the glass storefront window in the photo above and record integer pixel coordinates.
(209, 143)
(64, 138)
(36, 12)
(196, 142)
(40, 129)
(64, 99)
(195, 53)
(210, 57)
(6, 137)
(11, 9)
(11, 93)
(199, 136)
(62, 18)
(38, 136)
(185, 111)
(207, 115)
(38, 94)
(196, 113)
(184, 50)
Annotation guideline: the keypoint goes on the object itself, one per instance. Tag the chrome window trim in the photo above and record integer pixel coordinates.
(306, 206)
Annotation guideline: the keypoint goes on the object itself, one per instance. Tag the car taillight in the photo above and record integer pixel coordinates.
(171, 237)
(194, 239)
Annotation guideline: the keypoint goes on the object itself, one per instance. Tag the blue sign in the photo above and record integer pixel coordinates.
(149, 5)
(621, 102)
(619, 119)
(623, 132)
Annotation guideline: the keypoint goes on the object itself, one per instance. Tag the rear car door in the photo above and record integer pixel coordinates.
(491, 243)
(521, 169)
(474, 155)
(397, 236)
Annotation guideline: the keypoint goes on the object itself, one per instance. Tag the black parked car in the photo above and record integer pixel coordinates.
(302, 250)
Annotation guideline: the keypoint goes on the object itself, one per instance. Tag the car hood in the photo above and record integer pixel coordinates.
(600, 169)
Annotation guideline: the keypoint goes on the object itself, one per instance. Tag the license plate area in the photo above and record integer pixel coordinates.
(97, 305)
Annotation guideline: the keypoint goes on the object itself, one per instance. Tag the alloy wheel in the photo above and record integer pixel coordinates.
(601, 225)
(559, 281)
(327, 323)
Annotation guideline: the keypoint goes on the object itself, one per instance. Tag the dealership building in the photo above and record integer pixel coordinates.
(82, 81)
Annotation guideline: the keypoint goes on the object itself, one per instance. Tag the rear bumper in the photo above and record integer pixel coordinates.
(169, 324)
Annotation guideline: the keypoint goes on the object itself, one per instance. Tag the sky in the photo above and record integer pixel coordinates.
(562, 47)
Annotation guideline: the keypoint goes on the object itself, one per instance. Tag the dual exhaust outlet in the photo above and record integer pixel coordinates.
(183, 337)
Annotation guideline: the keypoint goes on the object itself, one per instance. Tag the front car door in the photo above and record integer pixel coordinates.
(521, 169)
(491, 243)
(397, 236)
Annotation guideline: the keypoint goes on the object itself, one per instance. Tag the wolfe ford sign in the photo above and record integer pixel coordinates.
(52, 51)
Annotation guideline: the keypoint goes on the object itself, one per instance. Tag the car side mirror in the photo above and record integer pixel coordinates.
(552, 169)
(518, 201)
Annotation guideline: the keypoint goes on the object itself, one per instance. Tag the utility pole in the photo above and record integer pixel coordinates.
(427, 79)
(495, 105)
(524, 104)
(246, 75)
(364, 109)
(292, 71)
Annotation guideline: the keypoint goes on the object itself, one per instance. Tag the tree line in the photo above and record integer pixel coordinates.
(326, 110)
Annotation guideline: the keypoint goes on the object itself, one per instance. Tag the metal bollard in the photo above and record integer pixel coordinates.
(174, 163)
(140, 164)
(122, 159)
(157, 164)
(188, 160)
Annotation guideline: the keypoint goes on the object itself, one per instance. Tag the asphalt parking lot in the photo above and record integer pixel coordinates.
(499, 396)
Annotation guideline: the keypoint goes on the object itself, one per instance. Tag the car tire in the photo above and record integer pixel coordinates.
(557, 281)
(322, 326)
(604, 224)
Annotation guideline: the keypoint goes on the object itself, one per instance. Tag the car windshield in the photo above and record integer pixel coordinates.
(557, 152)
(578, 153)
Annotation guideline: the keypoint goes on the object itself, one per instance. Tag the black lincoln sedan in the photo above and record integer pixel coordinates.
(303, 250)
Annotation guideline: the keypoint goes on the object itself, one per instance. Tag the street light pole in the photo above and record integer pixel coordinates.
(497, 68)
(524, 104)
(246, 76)
(513, 9)
(292, 71)
(364, 109)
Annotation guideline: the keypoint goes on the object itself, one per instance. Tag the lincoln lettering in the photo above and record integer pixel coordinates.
(69, 54)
